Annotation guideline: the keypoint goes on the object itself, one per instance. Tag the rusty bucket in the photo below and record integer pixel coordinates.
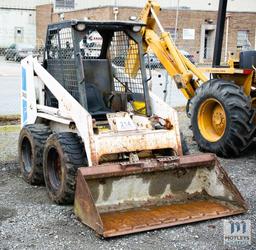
(122, 198)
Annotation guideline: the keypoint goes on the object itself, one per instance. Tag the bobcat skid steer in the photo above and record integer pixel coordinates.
(96, 136)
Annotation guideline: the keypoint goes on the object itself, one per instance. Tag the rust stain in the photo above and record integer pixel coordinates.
(119, 222)
(119, 217)
(138, 141)
(168, 124)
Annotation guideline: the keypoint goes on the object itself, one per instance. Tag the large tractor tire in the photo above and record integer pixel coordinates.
(63, 154)
(222, 118)
(30, 149)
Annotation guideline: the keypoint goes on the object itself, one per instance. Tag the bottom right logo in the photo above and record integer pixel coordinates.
(237, 232)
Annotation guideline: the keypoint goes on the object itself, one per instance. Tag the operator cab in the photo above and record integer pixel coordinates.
(100, 64)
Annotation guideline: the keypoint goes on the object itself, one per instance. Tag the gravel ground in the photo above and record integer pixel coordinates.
(29, 220)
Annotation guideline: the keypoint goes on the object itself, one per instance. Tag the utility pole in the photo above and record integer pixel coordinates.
(115, 10)
(219, 32)
(176, 21)
(226, 41)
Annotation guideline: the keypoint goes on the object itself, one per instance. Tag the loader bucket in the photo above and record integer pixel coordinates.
(123, 198)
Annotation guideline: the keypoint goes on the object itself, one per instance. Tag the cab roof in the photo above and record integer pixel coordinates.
(108, 25)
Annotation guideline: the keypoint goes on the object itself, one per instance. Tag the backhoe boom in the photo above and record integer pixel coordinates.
(176, 64)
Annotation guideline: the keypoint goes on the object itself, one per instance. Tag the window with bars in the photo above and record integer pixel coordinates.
(173, 33)
(243, 39)
(65, 4)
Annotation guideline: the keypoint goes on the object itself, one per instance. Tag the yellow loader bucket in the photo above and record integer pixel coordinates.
(122, 198)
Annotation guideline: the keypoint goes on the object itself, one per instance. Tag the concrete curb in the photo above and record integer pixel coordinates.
(11, 75)
(9, 128)
(9, 117)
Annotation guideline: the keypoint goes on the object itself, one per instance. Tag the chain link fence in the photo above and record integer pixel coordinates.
(10, 78)
(16, 52)
(10, 58)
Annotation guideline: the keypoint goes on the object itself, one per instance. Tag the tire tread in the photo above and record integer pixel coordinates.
(74, 157)
(238, 108)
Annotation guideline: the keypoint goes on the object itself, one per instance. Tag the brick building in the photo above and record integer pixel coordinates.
(195, 30)
(18, 21)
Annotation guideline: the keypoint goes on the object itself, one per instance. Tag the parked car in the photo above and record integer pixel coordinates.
(155, 63)
(18, 51)
(188, 55)
(151, 60)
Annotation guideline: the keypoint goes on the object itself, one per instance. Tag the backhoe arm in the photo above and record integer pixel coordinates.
(176, 64)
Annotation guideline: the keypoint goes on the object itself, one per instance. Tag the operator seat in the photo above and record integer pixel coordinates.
(96, 105)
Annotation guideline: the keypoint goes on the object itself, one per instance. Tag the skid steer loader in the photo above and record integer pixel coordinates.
(96, 136)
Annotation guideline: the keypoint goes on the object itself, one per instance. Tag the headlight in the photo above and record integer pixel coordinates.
(132, 18)
(136, 28)
(80, 26)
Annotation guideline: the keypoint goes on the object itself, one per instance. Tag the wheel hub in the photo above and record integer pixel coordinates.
(218, 119)
(211, 120)
(26, 155)
(54, 168)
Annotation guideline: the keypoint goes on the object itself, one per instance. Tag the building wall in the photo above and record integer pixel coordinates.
(17, 26)
(198, 21)
(43, 18)
(211, 5)
(23, 4)
(93, 14)
(18, 21)
(45, 15)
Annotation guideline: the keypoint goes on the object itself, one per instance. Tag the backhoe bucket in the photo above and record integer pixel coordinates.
(123, 198)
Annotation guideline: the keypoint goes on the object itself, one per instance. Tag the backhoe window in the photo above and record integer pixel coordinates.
(124, 56)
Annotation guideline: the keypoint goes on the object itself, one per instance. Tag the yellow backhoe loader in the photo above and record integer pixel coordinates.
(97, 137)
(221, 109)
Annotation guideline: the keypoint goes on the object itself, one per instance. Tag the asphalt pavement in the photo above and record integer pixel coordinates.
(29, 220)
(10, 87)
(9, 95)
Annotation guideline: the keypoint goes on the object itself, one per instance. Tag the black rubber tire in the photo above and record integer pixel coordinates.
(67, 150)
(239, 118)
(30, 149)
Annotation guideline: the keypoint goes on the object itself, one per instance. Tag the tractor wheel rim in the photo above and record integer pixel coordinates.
(26, 155)
(212, 120)
(54, 169)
